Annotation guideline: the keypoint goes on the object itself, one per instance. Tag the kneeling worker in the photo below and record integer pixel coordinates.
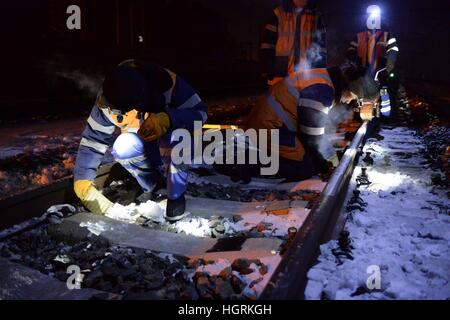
(299, 107)
(146, 103)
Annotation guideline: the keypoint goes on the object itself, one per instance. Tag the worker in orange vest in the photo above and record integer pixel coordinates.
(377, 50)
(293, 40)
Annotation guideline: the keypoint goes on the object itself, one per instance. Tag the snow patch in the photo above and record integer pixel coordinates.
(167, 256)
(96, 228)
(404, 230)
(198, 227)
(150, 210)
(214, 269)
(156, 211)
(275, 225)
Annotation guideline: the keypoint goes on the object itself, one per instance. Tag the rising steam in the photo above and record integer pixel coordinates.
(88, 82)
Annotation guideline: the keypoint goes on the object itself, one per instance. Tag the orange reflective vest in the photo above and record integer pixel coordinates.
(371, 47)
(279, 110)
(295, 41)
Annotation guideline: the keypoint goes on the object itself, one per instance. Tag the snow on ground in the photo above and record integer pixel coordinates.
(38, 153)
(34, 136)
(131, 213)
(96, 228)
(195, 226)
(270, 225)
(214, 268)
(156, 212)
(404, 231)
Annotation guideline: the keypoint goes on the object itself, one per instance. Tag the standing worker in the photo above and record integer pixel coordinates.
(377, 50)
(146, 103)
(293, 40)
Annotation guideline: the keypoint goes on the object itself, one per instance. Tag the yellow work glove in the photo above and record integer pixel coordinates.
(154, 127)
(91, 198)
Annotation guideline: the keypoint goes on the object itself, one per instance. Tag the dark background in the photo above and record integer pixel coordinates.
(213, 44)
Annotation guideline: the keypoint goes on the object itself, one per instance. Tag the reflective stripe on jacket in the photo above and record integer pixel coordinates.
(297, 106)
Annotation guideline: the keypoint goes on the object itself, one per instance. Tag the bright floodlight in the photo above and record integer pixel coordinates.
(374, 11)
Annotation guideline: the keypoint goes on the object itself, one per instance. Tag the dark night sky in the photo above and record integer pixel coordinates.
(422, 29)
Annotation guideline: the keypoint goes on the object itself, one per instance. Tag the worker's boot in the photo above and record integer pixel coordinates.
(176, 209)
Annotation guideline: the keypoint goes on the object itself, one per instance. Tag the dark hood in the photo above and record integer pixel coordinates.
(136, 85)
(289, 7)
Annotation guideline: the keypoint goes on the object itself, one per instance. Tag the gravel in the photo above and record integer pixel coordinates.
(114, 269)
(233, 193)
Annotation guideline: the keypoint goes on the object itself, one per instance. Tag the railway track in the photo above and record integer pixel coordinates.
(264, 237)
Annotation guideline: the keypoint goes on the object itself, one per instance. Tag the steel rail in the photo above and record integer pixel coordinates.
(34, 203)
(289, 279)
